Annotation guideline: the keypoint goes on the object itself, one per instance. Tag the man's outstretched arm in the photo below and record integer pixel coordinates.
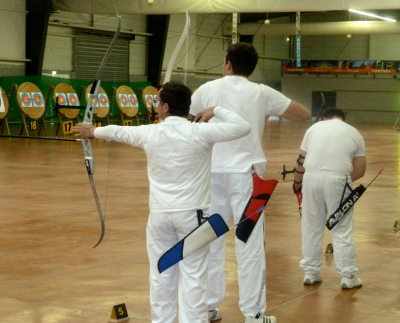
(296, 112)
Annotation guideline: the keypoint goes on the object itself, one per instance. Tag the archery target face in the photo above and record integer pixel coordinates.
(103, 100)
(94, 101)
(26, 100)
(72, 99)
(133, 100)
(37, 99)
(123, 99)
(62, 99)
(149, 100)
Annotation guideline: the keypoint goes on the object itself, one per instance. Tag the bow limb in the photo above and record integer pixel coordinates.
(88, 118)
(178, 47)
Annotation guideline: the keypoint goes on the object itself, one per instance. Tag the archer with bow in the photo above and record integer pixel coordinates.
(332, 156)
(178, 156)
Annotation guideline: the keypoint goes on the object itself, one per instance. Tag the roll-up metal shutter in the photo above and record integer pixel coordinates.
(90, 50)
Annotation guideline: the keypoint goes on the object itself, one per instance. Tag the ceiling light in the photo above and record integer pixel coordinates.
(371, 15)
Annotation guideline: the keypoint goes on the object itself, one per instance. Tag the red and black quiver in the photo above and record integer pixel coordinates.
(262, 191)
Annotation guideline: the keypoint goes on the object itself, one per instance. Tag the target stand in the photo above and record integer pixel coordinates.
(148, 95)
(128, 105)
(102, 107)
(65, 95)
(32, 105)
(4, 106)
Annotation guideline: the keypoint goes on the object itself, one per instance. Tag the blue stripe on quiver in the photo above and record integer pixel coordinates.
(170, 258)
(218, 224)
(205, 233)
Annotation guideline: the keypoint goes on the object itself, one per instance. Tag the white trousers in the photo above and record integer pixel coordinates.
(322, 195)
(184, 283)
(229, 195)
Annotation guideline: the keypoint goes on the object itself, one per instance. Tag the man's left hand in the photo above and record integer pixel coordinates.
(205, 115)
(84, 130)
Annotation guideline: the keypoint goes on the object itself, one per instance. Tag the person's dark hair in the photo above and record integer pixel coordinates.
(178, 97)
(330, 113)
(243, 57)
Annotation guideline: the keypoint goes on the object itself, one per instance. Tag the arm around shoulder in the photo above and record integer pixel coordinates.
(235, 121)
(296, 112)
(232, 126)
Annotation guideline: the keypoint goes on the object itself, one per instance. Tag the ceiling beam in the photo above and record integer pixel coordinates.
(322, 28)
(131, 7)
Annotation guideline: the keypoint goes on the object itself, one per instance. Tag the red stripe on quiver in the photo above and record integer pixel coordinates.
(262, 191)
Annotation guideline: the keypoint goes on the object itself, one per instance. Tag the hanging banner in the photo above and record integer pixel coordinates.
(298, 43)
(376, 67)
(298, 52)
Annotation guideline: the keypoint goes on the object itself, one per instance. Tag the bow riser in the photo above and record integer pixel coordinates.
(92, 101)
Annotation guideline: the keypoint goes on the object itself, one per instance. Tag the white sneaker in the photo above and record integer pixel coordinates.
(312, 279)
(261, 319)
(351, 282)
(214, 315)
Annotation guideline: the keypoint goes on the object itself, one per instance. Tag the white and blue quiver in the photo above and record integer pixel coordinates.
(212, 228)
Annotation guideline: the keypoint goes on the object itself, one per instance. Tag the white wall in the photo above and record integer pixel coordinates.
(60, 43)
(59, 50)
(268, 70)
(335, 47)
(385, 47)
(205, 55)
(12, 37)
(367, 98)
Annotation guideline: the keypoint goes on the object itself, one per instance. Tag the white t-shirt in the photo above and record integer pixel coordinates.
(331, 145)
(178, 156)
(252, 102)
